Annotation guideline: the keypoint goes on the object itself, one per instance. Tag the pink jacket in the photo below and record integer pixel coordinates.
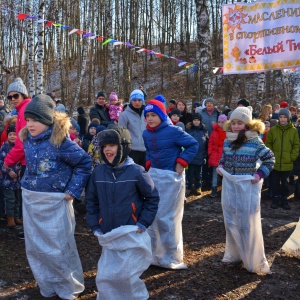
(16, 154)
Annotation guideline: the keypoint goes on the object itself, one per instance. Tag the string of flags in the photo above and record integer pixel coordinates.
(104, 40)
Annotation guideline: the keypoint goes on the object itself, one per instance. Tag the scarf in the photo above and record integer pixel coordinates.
(231, 136)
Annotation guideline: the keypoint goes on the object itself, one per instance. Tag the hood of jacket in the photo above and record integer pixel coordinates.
(58, 131)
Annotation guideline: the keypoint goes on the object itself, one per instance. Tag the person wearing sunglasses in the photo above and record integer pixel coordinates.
(17, 95)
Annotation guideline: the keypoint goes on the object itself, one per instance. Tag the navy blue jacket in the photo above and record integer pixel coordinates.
(164, 146)
(120, 196)
(200, 134)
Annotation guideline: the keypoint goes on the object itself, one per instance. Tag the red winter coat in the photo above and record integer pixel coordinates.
(16, 154)
(215, 145)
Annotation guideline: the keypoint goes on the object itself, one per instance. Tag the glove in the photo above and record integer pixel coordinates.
(257, 178)
(218, 170)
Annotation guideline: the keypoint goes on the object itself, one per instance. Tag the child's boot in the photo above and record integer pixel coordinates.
(275, 202)
(198, 191)
(284, 203)
(19, 221)
(11, 222)
(213, 192)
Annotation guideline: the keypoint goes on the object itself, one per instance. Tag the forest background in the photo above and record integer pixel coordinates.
(76, 66)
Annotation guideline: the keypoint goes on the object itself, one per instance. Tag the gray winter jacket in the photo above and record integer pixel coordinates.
(136, 125)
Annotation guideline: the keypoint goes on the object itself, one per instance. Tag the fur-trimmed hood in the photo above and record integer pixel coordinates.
(60, 130)
(253, 125)
(10, 119)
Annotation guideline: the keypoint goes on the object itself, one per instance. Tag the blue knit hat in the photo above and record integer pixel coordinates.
(156, 107)
(160, 98)
(100, 128)
(137, 94)
(93, 124)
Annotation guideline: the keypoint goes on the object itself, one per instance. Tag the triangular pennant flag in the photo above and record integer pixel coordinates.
(113, 41)
(118, 43)
(141, 50)
(195, 68)
(57, 25)
(128, 44)
(80, 31)
(93, 37)
(182, 64)
(100, 38)
(49, 23)
(65, 27)
(151, 52)
(31, 17)
(87, 34)
(73, 31)
(107, 41)
(159, 54)
(22, 16)
(215, 70)
(41, 21)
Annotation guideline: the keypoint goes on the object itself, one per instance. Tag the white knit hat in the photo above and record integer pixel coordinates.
(243, 114)
(17, 86)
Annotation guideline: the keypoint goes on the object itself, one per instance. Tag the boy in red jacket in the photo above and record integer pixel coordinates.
(215, 149)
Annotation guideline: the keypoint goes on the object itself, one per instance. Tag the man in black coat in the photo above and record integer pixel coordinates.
(99, 111)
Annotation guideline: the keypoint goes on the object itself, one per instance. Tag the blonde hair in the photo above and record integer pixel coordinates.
(265, 113)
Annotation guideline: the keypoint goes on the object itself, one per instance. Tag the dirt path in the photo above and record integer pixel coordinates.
(204, 240)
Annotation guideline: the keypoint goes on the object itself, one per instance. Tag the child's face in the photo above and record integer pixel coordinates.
(12, 137)
(110, 151)
(221, 124)
(113, 101)
(34, 127)
(72, 130)
(92, 130)
(267, 128)
(237, 126)
(293, 113)
(283, 119)
(153, 119)
(196, 122)
(175, 118)
(171, 105)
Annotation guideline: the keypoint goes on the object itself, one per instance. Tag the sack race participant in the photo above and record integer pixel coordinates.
(57, 170)
(166, 160)
(241, 190)
(121, 203)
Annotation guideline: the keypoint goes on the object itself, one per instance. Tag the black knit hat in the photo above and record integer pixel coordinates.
(244, 102)
(172, 101)
(41, 109)
(51, 95)
(11, 128)
(117, 136)
(175, 111)
(197, 116)
(101, 94)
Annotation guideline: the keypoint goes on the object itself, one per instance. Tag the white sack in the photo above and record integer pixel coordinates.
(166, 230)
(292, 245)
(241, 210)
(126, 254)
(51, 251)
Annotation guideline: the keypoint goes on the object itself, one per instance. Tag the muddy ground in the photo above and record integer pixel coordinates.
(204, 241)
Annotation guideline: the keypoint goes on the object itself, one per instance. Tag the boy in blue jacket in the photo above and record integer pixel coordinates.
(57, 170)
(119, 193)
(168, 151)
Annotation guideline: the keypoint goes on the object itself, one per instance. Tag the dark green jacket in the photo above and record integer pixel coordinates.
(284, 142)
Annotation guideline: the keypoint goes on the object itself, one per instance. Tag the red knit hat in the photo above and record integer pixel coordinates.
(156, 107)
(284, 104)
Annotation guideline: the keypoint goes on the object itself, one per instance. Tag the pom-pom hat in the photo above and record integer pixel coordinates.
(17, 86)
(222, 118)
(113, 96)
(243, 114)
(283, 104)
(156, 107)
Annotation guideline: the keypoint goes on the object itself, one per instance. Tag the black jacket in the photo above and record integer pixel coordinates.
(101, 113)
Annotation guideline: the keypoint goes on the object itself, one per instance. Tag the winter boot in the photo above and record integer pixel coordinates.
(275, 202)
(213, 192)
(11, 222)
(284, 203)
(19, 221)
(198, 191)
